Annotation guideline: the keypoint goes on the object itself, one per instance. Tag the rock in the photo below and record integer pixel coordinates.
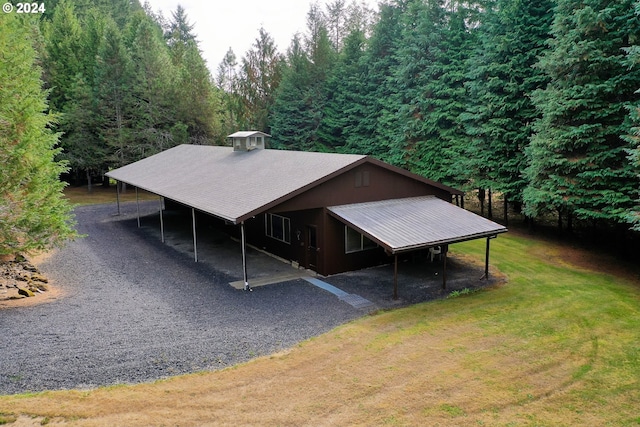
(37, 277)
(29, 267)
(25, 292)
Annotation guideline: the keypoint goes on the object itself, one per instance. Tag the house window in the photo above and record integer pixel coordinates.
(278, 227)
(356, 242)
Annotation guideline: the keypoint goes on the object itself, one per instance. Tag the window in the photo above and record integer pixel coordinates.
(278, 227)
(362, 179)
(356, 242)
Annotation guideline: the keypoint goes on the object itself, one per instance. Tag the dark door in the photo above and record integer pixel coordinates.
(311, 242)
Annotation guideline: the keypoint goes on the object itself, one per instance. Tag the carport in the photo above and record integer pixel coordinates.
(411, 224)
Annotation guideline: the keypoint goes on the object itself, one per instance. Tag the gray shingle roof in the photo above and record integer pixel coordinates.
(412, 223)
(231, 185)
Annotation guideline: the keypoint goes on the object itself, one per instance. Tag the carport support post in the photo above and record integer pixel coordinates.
(395, 277)
(161, 222)
(118, 196)
(244, 257)
(445, 249)
(486, 258)
(138, 207)
(195, 245)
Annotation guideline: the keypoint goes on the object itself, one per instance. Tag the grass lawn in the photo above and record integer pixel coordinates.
(100, 194)
(558, 345)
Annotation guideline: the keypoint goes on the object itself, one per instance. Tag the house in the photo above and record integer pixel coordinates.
(324, 211)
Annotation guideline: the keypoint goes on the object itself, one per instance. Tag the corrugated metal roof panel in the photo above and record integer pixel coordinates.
(405, 224)
(229, 184)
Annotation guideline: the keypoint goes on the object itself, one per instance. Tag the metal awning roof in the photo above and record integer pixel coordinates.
(401, 225)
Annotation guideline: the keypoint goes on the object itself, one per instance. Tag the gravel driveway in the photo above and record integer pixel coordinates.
(136, 310)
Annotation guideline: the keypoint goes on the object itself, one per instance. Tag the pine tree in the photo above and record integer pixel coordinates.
(633, 136)
(500, 114)
(344, 108)
(260, 75)
(428, 136)
(33, 212)
(64, 46)
(152, 110)
(292, 113)
(195, 97)
(113, 88)
(227, 82)
(375, 107)
(578, 160)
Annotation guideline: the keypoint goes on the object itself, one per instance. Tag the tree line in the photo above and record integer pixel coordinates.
(535, 100)
(127, 82)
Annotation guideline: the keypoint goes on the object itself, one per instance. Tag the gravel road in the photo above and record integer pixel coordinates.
(136, 310)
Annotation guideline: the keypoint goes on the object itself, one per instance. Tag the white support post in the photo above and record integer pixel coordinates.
(118, 196)
(195, 244)
(161, 222)
(138, 206)
(244, 257)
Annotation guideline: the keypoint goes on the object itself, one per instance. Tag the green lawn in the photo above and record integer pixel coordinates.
(557, 345)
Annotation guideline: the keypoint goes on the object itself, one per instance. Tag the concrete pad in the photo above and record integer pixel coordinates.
(262, 281)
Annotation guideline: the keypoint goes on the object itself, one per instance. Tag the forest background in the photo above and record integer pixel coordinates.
(533, 100)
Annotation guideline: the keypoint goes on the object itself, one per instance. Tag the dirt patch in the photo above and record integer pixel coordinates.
(22, 284)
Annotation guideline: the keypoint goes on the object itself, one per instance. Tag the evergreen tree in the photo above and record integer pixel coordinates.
(578, 160)
(428, 137)
(368, 135)
(633, 137)
(292, 113)
(344, 108)
(33, 212)
(152, 110)
(195, 97)
(113, 88)
(303, 92)
(500, 114)
(64, 46)
(260, 75)
(227, 82)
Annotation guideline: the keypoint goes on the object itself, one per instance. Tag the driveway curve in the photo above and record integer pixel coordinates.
(135, 310)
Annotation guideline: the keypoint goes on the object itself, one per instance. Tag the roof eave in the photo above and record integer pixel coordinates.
(476, 236)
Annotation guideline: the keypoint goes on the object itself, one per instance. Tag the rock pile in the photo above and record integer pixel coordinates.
(20, 279)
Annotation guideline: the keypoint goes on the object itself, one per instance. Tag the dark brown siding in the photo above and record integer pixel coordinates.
(365, 183)
(338, 261)
(351, 187)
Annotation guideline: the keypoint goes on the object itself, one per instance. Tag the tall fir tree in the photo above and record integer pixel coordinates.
(368, 135)
(113, 88)
(33, 212)
(578, 160)
(430, 77)
(344, 108)
(305, 80)
(499, 114)
(260, 75)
